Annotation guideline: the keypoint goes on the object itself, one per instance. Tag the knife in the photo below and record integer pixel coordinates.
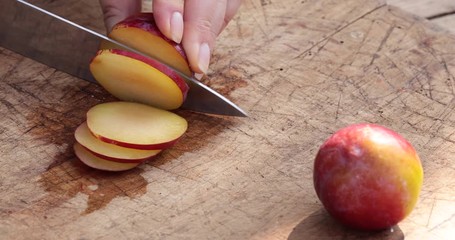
(66, 46)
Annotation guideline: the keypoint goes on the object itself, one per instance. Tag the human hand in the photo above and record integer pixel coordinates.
(194, 23)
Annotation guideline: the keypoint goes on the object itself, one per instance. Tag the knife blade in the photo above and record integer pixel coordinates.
(66, 46)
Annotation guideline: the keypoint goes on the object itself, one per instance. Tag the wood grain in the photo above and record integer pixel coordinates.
(302, 69)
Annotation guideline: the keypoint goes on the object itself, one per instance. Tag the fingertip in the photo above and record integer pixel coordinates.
(110, 22)
(176, 26)
(111, 18)
(170, 25)
(204, 58)
(162, 22)
(198, 55)
(198, 76)
(169, 18)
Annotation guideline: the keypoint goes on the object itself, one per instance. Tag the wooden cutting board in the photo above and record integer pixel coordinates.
(302, 69)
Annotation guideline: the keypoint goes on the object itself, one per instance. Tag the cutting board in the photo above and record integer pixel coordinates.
(301, 69)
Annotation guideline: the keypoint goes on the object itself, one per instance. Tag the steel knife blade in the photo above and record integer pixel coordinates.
(66, 46)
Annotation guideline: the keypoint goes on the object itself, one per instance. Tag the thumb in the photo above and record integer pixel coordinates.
(115, 11)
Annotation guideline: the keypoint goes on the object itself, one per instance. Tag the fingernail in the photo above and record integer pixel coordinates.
(204, 57)
(176, 27)
(198, 76)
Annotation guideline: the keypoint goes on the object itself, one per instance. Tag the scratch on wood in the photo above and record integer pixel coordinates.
(340, 29)
(338, 106)
(387, 36)
(381, 45)
(450, 78)
(265, 2)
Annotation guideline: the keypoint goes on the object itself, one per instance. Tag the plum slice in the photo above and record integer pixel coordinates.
(109, 151)
(135, 125)
(131, 77)
(140, 32)
(93, 161)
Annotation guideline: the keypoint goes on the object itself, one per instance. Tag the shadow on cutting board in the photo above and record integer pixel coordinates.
(319, 225)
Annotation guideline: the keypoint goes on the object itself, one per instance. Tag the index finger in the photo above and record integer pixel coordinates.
(203, 21)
